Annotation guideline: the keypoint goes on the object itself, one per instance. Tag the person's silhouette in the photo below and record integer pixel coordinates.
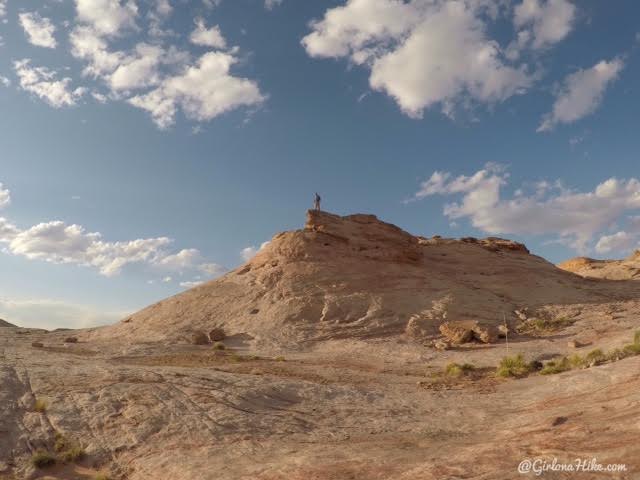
(316, 202)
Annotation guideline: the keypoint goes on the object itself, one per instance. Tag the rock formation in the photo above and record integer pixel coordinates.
(358, 277)
(625, 269)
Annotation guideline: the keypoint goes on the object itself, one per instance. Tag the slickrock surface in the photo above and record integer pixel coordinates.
(626, 269)
(328, 373)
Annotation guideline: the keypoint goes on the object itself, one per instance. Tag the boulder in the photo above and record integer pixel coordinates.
(464, 331)
(457, 332)
(71, 340)
(37, 345)
(217, 335)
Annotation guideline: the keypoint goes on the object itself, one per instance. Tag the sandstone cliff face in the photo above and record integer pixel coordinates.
(626, 269)
(4, 323)
(358, 277)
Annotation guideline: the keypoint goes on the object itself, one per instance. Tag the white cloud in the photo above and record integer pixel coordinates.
(50, 314)
(420, 53)
(574, 218)
(57, 242)
(87, 44)
(208, 37)
(543, 23)
(581, 93)
(620, 241)
(107, 17)
(191, 284)
(249, 252)
(5, 81)
(160, 79)
(39, 30)
(43, 83)
(203, 91)
(5, 196)
(271, 4)
(138, 70)
(3, 8)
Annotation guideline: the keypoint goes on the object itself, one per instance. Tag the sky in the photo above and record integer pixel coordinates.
(149, 145)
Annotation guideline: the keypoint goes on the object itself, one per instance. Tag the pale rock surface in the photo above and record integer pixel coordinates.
(324, 382)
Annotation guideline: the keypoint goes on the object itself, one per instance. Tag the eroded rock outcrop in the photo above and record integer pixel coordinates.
(357, 277)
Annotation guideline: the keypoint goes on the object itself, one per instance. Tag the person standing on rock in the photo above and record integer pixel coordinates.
(316, 202)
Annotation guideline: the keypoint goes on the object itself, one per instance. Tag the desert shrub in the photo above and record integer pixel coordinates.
(71, 340)
(544, 325)
(61, 442)
(456, 370)
(576, 361)
(513, 367)
(632, 349)
(43, 459)
(40, 406)
(72, 454)
(595, 357)
(556, 366)
(636, 337)
(219, 346)
(617, 354)
(280, 359)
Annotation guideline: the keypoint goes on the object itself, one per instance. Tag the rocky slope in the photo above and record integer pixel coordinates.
(625, 269)
(326, 373)
(359, 277)
(4, 323)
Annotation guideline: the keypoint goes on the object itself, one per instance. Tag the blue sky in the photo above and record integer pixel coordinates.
(148, 145)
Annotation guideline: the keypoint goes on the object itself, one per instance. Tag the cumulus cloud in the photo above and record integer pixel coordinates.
(160, 79)
(60, 243)
(139, 69)
(203, 91)
(421, 53)
(3, 8)
(39, 30)
(581, 93)
(50, 314)
(108, 17)
(619, 241)
(207, 37)
(543, 23)
(4, 81)
(191, 284)
(43, 83)
(572, 217)
(249, 252)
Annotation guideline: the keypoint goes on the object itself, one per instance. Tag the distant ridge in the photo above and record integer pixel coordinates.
(6, 324)
(625, 269)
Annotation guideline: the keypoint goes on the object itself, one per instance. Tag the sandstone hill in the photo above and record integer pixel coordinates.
(325, 373)
(625, 269)
(4, 323)
(358, 277)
